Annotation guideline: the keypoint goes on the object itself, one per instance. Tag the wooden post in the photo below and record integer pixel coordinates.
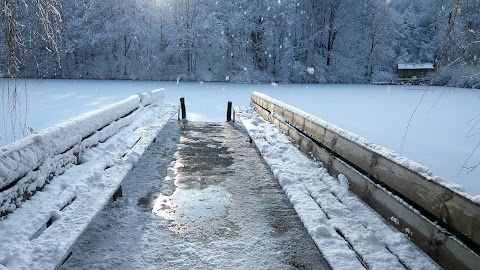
(118, 194)
(182, 105)
(229, 111)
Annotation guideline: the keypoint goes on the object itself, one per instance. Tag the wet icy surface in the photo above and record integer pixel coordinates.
(195, 211)
(200, 198)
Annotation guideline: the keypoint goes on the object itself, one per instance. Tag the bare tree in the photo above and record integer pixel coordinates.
(460, 53)
(27, 25)
(185, 16)
(461, 46)
(376, 15)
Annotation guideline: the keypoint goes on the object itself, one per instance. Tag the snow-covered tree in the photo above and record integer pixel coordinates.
(458, 59)
(244, 41)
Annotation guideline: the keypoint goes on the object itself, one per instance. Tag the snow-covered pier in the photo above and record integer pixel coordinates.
(201, 197)
(197, 195)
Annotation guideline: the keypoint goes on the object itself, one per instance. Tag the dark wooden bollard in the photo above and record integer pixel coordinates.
(182, 105)
(118, 194)
(229, 111)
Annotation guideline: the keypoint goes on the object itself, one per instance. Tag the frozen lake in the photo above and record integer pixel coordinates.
(443, 132)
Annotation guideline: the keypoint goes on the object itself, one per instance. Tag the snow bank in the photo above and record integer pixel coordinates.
(27, 165)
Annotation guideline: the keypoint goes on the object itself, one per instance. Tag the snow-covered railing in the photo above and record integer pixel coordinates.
(403, 192)
(29, 164)
(41, 233)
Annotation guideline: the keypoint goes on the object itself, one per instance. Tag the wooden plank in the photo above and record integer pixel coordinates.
(278, 109)
(288, 115)
(445, 249)
(298, 121)
(315, 131)
(458, 212)
(437, 243)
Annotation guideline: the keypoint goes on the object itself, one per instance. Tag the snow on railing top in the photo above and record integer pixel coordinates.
(21, 157)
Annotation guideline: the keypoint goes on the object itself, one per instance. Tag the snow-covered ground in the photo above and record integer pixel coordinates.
(443, 132)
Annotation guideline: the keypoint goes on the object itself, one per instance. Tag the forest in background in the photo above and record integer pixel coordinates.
(285, 41)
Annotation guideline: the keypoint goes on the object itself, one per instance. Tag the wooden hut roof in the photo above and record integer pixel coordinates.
(416, 66)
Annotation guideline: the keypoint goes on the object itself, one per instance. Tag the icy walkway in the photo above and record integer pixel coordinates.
(200, 197)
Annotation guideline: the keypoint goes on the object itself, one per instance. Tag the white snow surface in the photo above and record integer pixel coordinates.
(438, 127)
(326, 207)
(74, 197)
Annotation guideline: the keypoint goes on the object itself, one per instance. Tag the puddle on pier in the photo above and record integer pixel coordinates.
(193, 197)
(198, 212)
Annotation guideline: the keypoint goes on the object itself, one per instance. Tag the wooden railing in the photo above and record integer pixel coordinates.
(441, 222)
(28, 165)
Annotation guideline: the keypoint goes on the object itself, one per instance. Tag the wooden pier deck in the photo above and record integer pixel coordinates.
(201, 197)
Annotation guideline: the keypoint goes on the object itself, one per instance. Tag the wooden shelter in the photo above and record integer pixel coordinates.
(408, 71)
